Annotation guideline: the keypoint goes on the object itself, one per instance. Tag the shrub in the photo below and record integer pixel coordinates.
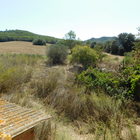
(39, 42)
(84, 55)
(15, 70)
(13, 77)
(132, 79)
(57, 53)
(131, 73)
(94, 79)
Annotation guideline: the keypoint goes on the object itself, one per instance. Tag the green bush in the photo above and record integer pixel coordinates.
(57, 53)
(84, 55)
(123, 84)
(94, 79)
(131, 73)
(131, 76)
(39, 42)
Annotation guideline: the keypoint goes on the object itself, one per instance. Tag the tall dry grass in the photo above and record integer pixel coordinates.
(15, 70)
(15, 78)
(97, 113)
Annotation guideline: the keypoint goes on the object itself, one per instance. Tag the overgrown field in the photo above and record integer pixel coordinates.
(28, 83)
(85, 99)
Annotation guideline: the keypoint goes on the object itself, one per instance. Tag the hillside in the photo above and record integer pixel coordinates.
(21, 35)
(101, 39)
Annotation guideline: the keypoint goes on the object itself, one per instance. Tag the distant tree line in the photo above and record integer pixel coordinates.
(122, 44)
(39, 42)
(118, 46)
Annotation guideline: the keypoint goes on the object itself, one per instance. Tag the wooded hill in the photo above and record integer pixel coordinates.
(21, 35)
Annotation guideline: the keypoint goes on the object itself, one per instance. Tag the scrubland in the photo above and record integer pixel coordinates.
(79, 111)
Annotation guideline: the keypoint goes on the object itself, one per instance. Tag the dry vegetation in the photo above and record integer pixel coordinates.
(111, 62)
(38, 81)
(115, 57)
(75, 115)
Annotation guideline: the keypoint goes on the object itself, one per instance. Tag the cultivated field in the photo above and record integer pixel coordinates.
(21, 47)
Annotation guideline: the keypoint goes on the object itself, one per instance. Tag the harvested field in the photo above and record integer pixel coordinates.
(21, 47)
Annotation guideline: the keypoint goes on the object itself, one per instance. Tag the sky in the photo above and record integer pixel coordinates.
(87, 18)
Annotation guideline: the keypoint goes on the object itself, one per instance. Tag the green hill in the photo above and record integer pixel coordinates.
(21, 35)
(101, 39)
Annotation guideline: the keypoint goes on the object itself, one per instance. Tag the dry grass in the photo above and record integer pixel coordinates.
(115, 57)
(21, 47)
(111, 62)
(15, 70)
(90, 115)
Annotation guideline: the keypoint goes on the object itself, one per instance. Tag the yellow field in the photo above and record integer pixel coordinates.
(21, 47)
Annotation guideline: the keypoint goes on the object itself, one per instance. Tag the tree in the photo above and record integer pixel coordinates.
(107, 46)
(92, 45)
(70, 35)
(70, 39)
(127, 41)
(121, 50)
(114, 47)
